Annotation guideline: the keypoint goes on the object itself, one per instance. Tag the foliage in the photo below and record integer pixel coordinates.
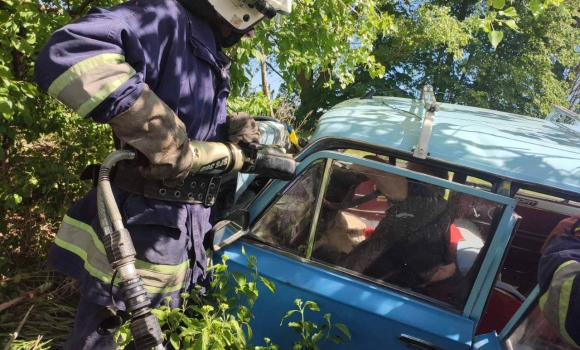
(444, 44)
(345, 34)
(310, 333)
(505, 14)
(255, 104)
(220, 318)
(44, 147)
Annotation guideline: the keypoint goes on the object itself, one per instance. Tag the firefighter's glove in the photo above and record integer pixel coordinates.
(242, 127)
(152, 128)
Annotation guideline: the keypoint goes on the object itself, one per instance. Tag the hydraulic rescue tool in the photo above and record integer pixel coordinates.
(212, 160)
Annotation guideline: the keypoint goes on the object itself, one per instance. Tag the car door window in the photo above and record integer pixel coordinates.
(286, 223)
(402, 232)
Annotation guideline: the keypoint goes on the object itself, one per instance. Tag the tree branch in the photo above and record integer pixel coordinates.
(48, 9)
(79, 10)
(274, 69)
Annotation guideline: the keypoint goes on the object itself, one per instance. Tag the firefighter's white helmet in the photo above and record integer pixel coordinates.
(243, 15)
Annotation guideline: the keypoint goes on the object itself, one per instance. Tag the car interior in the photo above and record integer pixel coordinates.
(354, 207)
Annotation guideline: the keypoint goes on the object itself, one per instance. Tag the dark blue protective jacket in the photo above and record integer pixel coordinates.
(98, 66)
(559, 280)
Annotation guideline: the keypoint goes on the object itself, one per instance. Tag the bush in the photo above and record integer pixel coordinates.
(220, 318)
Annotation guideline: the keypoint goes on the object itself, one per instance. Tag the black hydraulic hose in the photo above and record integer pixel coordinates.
(121, 255)
(105, 184)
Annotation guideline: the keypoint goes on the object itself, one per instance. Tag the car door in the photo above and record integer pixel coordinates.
(306, 235)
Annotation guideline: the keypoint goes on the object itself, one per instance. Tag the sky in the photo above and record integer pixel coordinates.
(274, 80)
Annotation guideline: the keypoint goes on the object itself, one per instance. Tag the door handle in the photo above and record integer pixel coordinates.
(418, 343)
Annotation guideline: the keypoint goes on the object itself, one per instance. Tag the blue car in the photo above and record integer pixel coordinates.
(418, 225)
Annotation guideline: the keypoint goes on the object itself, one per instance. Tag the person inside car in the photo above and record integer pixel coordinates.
(409, 246)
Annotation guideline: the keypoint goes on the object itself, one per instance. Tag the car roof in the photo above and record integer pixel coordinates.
(516, 147)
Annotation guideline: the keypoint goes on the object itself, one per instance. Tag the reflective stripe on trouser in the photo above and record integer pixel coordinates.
(556, 301)
(80, 239)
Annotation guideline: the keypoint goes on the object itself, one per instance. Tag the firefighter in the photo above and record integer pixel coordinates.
(559, 279)
(154, 70)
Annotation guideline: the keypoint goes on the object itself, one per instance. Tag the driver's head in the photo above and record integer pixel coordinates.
(232, 19)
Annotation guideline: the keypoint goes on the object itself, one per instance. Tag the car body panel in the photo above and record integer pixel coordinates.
(375, 316)
(526, 149)
(486, 342)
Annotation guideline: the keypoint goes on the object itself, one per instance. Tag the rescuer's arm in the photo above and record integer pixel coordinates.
(559, 280)
(96, 66)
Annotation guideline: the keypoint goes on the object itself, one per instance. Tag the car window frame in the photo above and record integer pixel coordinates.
(500, 237)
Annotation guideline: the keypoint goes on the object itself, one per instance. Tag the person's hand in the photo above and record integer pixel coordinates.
(242, 127)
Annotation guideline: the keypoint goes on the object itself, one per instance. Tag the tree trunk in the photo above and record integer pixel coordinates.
(265, 86)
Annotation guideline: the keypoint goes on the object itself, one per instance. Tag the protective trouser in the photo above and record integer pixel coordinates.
(168, 239)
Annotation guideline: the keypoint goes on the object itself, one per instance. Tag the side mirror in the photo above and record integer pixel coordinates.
(219, 236)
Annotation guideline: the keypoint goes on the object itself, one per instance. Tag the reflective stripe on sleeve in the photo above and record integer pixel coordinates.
(555, 302)
(88, 83)
(80, 239)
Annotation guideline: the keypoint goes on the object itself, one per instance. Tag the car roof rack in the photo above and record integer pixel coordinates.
(421, 150)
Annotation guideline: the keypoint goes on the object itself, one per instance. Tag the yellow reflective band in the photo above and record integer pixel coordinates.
(139, 264)
(100, 96)
(567, 263)
(87, 228)
(80, 68)
(80, 239)
(563, 305)
(543, 300)
(105, 277)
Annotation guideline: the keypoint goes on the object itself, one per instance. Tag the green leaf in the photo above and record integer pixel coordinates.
(511, 23)
(5, 71)
(336, 339)
(495, 38)
(12, 201)
(269, 284)
(202, 342)
(343, 328)
(5, 106)
(250, 332)
(295, 326)
(498, 4)
(510, 12)
(317, 336)
(288, 314)
(312, 306)
(174, 339)
(240, 278)
(536, 7)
